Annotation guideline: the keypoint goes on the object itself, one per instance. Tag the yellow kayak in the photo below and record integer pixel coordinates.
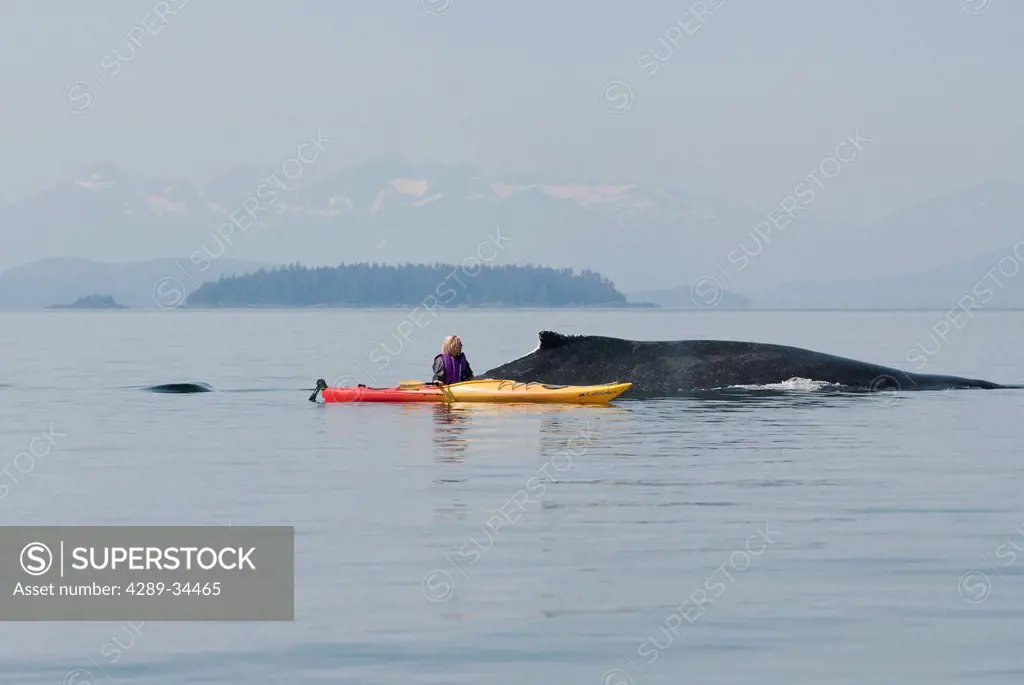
(513, 391)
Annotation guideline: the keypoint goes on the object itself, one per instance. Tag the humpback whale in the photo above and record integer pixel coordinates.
(181, 388)
(658, 368)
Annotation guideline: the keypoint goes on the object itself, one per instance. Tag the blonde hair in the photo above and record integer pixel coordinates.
(452, 345)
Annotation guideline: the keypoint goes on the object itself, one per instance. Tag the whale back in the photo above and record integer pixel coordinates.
(666, 367)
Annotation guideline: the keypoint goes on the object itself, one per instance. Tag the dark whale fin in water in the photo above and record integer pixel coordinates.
(180, 388)
(550, 340)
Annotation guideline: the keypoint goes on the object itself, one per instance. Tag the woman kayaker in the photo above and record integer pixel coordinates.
(451, 366)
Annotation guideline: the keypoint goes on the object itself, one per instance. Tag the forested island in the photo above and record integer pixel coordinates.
(91, 302)
(384, 285)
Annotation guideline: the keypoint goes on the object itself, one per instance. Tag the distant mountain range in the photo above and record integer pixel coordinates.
(384, 211)
(995, 280)
(651, 241)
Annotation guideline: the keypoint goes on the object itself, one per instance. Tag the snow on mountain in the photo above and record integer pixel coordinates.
(385, 210)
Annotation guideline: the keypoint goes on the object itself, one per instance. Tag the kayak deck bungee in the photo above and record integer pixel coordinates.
(485, 390)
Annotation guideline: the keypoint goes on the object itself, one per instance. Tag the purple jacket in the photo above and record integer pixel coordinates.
(449, 369)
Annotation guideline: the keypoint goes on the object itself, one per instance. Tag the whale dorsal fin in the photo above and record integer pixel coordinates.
(549, 340)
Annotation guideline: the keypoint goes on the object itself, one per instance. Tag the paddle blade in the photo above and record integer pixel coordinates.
(410, 384)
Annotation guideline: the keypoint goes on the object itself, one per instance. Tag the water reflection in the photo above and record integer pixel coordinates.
(459, 425)
(450, 424)
(455, 423)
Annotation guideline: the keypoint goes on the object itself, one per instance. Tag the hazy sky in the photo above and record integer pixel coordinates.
(743, 108)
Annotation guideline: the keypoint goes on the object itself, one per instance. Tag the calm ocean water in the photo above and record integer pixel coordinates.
(795, 536)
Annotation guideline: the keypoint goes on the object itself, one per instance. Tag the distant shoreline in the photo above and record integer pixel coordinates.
(937, 310)
(438, 308)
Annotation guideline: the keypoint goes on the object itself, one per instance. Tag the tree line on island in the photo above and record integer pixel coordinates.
(384, 285)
